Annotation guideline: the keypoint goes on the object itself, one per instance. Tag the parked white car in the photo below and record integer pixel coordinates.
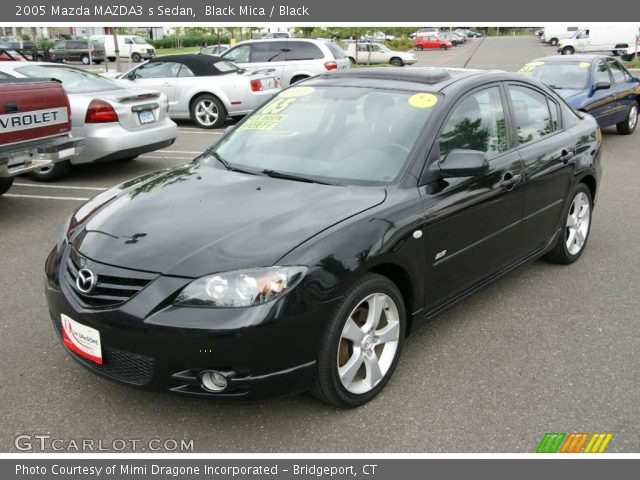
(377, 53)
(293, 59)
(619, 40)
(204, 88)
(118, 123)
(378, 36)
(129, 46)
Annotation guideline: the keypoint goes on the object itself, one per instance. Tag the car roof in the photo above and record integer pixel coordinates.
(287, 39)
(571, 58)
(200, 65)
(434, 79)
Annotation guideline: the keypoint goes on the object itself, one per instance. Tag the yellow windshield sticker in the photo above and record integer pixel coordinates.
(584, 64)
(262, 122)
(423, 100)
(277, 105)
(297, 92)
(530, 67)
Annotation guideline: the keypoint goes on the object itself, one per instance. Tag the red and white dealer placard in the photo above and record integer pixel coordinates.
(83, 340)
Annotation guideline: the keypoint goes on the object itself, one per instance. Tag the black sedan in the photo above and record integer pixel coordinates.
(301, 250)
(594, 84)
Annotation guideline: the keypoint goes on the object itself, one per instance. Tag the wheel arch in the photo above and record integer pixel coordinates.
(195, 95)
(402, 279)
(298, 78)
(590, 181)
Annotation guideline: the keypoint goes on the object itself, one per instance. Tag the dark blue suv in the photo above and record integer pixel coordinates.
(595, 84)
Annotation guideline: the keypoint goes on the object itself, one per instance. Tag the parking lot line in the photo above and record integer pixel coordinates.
(69, 187)
(45, 197)
(198, 131)
(176, 151)
(167, 157)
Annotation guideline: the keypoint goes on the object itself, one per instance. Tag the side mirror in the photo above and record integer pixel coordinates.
(601, 86)
(463, 163)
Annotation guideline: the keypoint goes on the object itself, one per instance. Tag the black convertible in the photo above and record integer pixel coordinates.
(301, 250)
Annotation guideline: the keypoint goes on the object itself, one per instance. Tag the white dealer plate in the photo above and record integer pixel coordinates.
(81, 339)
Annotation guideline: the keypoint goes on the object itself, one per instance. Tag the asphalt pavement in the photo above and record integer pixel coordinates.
(547, 349)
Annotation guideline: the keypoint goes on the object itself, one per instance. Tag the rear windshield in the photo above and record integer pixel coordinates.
(337, 52)
(74, 80)
(559, 75)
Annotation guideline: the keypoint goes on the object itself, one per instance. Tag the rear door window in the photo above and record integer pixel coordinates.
(264, 52)
(532, 115)
(617, 72)
(303, 51)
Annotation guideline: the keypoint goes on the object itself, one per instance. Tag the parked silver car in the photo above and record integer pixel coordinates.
(204, 88)
(118, 123)
(293, 59)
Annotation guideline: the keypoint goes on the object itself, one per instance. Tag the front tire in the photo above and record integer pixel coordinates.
(568, 51)
(396, 62)
(5, 185)
(136, 57)
(208, 112)
(361, 345)
(51, 173)
(630, 123)
(577, 225)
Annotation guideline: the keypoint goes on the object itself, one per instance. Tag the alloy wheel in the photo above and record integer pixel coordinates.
(578, 221)
(633, 117)
(368, 343)
(206, 112)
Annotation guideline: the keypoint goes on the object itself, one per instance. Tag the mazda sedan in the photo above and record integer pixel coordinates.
(301, 251)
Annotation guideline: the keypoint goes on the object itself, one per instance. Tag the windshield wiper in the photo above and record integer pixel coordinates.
(297, 178)
(227, 165)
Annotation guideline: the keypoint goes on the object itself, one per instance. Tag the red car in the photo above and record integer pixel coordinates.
(431, 41)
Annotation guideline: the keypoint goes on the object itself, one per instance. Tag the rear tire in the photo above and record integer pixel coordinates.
(630, 123)
(52, 173)
(5, 185)
(577, 226)
(358, 337)
(443, 47)
(553, 42)
(419, 48)
(207, 111)
(84, 59)
(352, 60)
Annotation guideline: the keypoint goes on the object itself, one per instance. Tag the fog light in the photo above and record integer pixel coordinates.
(213, 381)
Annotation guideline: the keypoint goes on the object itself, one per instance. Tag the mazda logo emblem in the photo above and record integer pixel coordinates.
(86, 280)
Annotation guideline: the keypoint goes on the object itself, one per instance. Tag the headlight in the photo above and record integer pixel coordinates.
(63, 234)
(242, 288)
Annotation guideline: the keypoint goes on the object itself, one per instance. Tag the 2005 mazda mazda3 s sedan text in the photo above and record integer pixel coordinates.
(300, 251)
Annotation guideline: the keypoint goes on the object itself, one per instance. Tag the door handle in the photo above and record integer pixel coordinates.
(566, 156)
(509, 180)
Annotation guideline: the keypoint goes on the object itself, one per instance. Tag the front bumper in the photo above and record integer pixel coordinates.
(264, 351)
(35, 155)
(111, 141)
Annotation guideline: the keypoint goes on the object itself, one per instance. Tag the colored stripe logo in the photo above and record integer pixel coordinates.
(574, 443)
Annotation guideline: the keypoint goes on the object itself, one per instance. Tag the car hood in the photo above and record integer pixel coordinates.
(196, 219)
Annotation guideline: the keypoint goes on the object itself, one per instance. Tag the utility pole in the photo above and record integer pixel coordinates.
(117, 49)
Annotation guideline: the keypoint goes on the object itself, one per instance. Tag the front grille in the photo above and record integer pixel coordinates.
(150, 51)
(113, 286)
(124, 366)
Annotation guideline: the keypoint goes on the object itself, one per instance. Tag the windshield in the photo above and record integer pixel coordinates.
(139, 40)
(73, 79)
(559, 75)
(336, 134)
